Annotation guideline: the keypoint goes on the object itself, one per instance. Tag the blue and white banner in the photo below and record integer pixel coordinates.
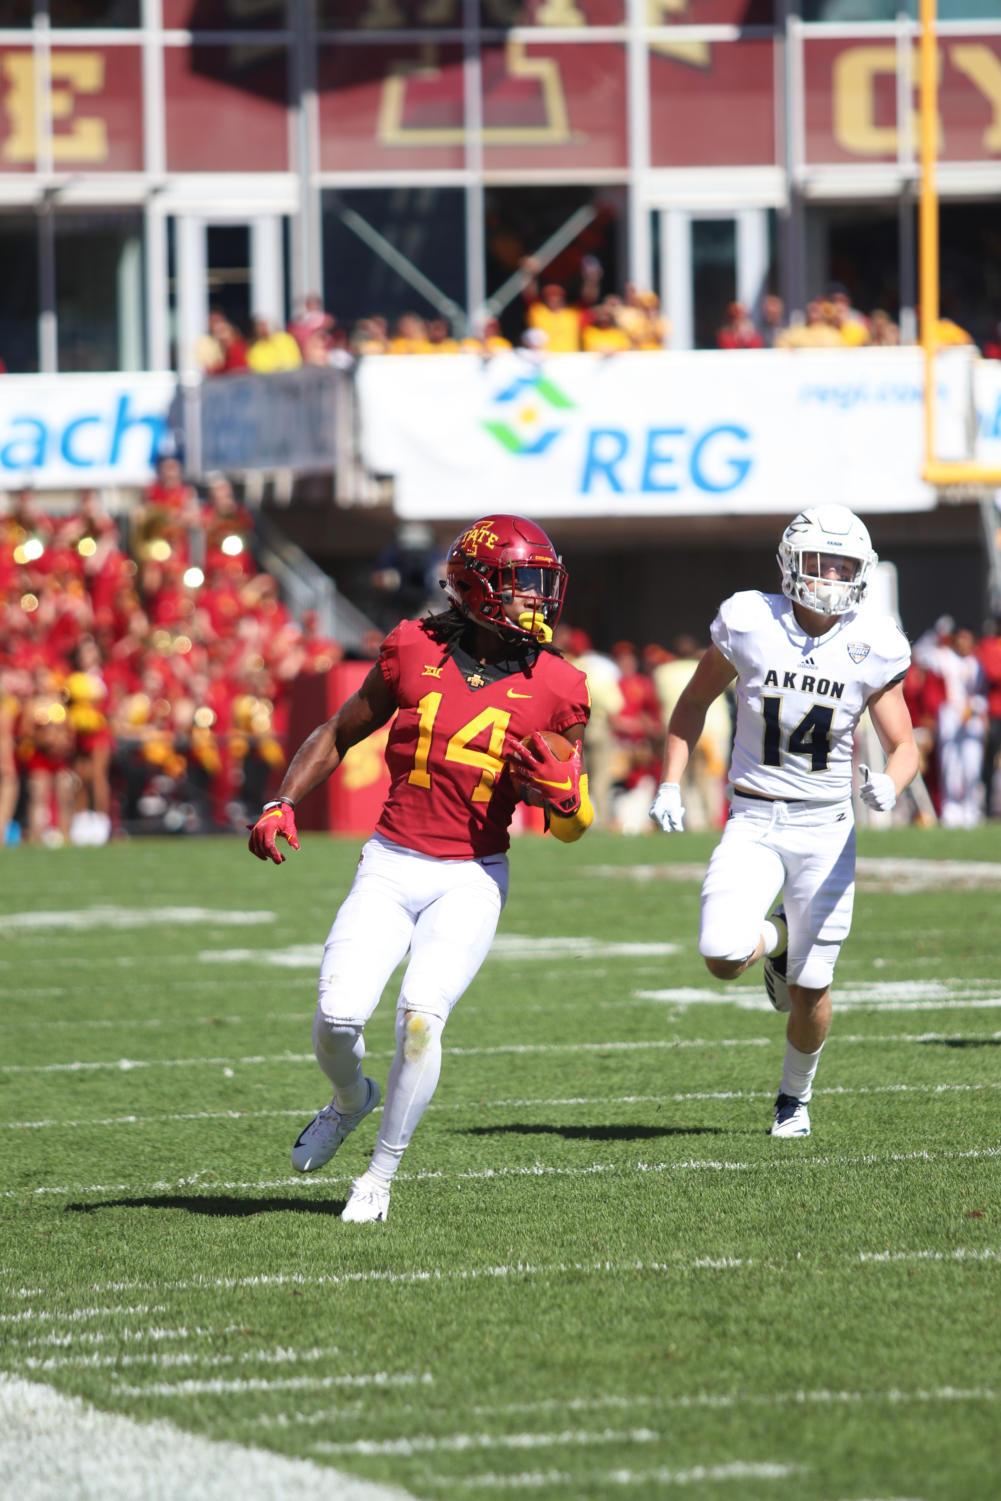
(63, 432)
(666, 434)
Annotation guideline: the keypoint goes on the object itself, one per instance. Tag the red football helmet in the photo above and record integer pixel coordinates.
(500, 557)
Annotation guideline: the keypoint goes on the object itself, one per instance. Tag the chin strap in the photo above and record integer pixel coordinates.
(569, 829)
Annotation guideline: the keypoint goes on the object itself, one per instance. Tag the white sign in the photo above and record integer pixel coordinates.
(60, 432)
(659, 434)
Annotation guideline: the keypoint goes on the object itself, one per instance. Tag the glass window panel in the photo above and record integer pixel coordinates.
(224, 15)
(551, 105)
(227, 108)
(99, 291)
(391, 108)
(227, 252)
(85, 13)
(517, 220)
(841, 11)
(424, 224)
(712, 104)
(19, 293)
(714, 276)
(16, 12)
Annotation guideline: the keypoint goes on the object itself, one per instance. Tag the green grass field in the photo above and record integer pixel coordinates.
(600, 1275)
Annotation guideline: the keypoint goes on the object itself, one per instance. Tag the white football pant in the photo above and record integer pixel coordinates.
(444, 913)
(805, 851)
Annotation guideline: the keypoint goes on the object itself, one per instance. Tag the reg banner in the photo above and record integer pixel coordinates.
(659, 434)
(63, 432)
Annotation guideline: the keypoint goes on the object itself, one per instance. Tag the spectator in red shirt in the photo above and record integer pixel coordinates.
(738, 331)
(989, 655)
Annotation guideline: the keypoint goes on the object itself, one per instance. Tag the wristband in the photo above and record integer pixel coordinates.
(276, 802)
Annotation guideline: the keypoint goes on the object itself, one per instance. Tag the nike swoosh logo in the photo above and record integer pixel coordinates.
(566, 786)
(511, 694)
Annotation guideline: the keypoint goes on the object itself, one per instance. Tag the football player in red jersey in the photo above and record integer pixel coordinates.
(469, 687)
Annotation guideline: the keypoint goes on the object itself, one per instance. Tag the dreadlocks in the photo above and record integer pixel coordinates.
(448, 627)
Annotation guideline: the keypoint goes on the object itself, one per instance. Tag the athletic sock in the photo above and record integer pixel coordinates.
(798, 1071)
(413, 1079)
(339, 1051)
(774, 937)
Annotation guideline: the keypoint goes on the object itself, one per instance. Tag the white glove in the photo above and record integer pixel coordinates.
(877, 790)
(667, 809)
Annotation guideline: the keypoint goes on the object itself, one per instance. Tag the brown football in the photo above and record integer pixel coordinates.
(560, 746)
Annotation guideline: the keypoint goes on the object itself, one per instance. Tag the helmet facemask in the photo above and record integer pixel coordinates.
(818, 543)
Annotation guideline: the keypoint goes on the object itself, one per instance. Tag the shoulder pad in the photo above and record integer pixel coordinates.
(748, 610)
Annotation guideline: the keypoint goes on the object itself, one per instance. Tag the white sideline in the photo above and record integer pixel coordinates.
(656, 1044)
(463, 1443)
(532, 1170)
(51, 1445)
(697, 1475)
(46, 1315)
(473, 1105)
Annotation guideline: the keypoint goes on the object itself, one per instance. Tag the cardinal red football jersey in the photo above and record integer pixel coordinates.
(450, 794)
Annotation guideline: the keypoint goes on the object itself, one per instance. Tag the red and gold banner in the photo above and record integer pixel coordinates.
(94, 99)
(227, 108)
(851, 100)
(712, 104)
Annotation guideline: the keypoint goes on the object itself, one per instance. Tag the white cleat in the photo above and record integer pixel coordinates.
(368, 1203)
(792, 1117)
(326, 1131)
(776, 984)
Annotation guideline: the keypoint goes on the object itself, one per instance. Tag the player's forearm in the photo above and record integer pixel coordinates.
(683, 734)
(316, 758)
(902, 764)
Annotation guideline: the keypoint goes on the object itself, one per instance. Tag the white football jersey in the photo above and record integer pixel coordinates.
(799, 697)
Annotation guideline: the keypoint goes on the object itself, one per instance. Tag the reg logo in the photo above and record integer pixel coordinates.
(525, 420)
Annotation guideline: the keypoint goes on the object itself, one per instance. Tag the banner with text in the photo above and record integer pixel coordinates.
(64, 432)
(667, 434)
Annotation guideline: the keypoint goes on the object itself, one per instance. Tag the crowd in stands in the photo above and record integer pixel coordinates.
(145, 679)
(953, 690)
(593, 322)
(144, 676)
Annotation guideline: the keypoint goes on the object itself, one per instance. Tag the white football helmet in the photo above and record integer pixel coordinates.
(832, 531)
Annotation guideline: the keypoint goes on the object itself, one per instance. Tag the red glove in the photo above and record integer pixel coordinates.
(557, 782)
(277, 819)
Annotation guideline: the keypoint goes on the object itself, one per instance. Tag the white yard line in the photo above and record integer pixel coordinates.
(532, 1170)
(539, 1103)
(91, 919)
(51, 1445)
(50, 1316)
(656, 1044)
(660, 1476)
(465, 1443)
(217, 1388)
(168, 1361)
(725, 1400)
(410, 1278)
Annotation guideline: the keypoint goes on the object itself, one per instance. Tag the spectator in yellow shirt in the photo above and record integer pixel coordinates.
(603, 334)
(272, 350)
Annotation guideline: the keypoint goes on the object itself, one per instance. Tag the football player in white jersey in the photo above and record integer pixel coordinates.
(805, 663)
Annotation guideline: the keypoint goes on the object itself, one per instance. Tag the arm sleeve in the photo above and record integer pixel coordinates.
(896, 661)
(575, 707)
(721, 635)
